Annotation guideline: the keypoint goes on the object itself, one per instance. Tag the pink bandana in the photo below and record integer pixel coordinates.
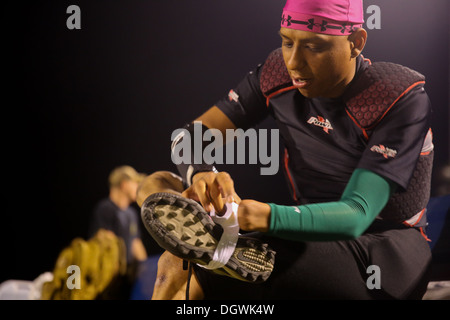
(335, 17)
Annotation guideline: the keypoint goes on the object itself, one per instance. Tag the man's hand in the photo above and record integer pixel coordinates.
(212, 190)
(215, 189)
(254, 216)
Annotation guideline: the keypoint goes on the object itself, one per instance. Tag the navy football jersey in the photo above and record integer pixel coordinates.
(324, 145)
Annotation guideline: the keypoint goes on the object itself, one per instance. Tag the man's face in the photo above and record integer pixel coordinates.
(129, 187)
(320, 65)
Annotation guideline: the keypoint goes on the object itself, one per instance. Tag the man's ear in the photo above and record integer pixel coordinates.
(123, 184)
(357, 41)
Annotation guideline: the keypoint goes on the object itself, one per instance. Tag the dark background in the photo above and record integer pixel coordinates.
(77, 103)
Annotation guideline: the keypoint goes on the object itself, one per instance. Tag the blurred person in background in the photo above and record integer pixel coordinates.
(116, 213)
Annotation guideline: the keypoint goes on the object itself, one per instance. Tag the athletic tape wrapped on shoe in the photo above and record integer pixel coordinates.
(229, 238)
(183, 227)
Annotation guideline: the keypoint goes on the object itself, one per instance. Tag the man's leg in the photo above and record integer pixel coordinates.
(171, 280)
(160, 181)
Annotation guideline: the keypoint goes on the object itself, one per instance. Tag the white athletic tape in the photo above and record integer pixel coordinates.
(229, 238)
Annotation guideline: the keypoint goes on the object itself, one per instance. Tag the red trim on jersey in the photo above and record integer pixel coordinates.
(359, 126)
(366, 59)
(270, 96)
(364, 130)
(395, 101)
(418, 219)
(286, 167)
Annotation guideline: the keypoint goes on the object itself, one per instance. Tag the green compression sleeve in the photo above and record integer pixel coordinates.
(364, 197)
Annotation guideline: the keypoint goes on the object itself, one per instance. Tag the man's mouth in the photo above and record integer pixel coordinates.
(301, 82)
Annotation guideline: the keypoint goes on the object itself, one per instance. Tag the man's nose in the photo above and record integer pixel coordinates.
(295, 59)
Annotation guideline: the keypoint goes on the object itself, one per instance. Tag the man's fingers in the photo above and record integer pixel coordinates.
(197, 192)
(202, 191)
(237, 199)
(189, 193)
(212, 190)
(226, 186)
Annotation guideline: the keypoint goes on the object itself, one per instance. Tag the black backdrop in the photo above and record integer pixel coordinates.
(77, 103)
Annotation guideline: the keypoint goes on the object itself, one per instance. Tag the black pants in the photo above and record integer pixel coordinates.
(336, 270)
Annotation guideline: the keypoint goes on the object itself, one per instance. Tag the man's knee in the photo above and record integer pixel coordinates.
(159, 181)
(171, 280)
(168, 263)
(170, 271)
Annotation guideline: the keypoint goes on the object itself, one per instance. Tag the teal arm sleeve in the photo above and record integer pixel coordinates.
(363, 199)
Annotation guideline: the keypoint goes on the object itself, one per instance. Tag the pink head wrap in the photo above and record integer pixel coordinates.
(335, 17)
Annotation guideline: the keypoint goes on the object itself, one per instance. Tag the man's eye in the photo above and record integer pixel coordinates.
(314, 48)
(287, 44)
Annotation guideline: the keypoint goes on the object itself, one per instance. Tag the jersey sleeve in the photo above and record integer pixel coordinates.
(245, 104)
(396, 142)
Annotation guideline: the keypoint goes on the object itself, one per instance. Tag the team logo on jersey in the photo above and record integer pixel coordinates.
(385, 151)
(296, 209)
(233, 96)
(321, 122)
